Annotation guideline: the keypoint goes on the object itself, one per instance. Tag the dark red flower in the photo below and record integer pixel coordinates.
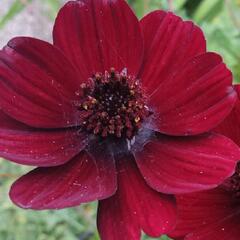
(214, 214)
(115, 110)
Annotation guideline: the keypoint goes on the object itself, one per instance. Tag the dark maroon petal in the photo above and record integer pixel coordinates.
(38, 85)
(169, 44)
(98, 35)
(199, 210)
(230, 127)
(25, 145)
(196, 99)
(225, 229)
(134, 207)
(81, 180)
(181, 165)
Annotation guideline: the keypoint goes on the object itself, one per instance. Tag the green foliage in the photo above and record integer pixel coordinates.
(15, 9)
(220, 21)
(207, 10)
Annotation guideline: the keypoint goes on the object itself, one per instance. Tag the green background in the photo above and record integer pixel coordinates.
(219, 19)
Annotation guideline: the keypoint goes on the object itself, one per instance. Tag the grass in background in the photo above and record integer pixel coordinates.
(219, 19)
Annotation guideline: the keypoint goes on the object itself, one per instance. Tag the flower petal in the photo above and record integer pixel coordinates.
(37, 84)
(99, 35)
(227, 229)
(196, 100)
(181, 165)
(230, 127)
(134, 207)
(199, 210)
(81, 180)
(25, 145)
(169, 43)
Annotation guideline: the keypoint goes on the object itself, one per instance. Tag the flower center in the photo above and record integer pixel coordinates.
(233, 183)
(114, 104)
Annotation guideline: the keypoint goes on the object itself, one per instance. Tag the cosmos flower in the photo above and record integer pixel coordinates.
(214, 214)
(115, 110)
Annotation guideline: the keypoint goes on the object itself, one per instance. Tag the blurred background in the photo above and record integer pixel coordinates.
(219, 19)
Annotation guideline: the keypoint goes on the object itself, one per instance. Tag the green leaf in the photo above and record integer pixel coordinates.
(191, 6)
(208, 10)
(226, 43)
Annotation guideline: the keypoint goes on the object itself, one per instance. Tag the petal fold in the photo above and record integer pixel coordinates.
(25, 145)
(230, 127)
(169, 43)
(134, 207)
(227, 229)
(180, 165)
(38, 85)
(200, 210)
(83, 179)
(196, 99)
(99, 35)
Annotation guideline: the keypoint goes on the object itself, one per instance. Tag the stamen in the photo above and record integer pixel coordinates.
(115, 105)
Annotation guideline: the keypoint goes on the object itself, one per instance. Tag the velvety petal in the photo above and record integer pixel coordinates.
(169, 43)
(99, 35)
(38, 85)
(81, 180)
(196, 100)
(227, 229)
(230, 127)
(25, 145)
(199, 210)
(190, 90)
(187, 164)
(134, 207)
